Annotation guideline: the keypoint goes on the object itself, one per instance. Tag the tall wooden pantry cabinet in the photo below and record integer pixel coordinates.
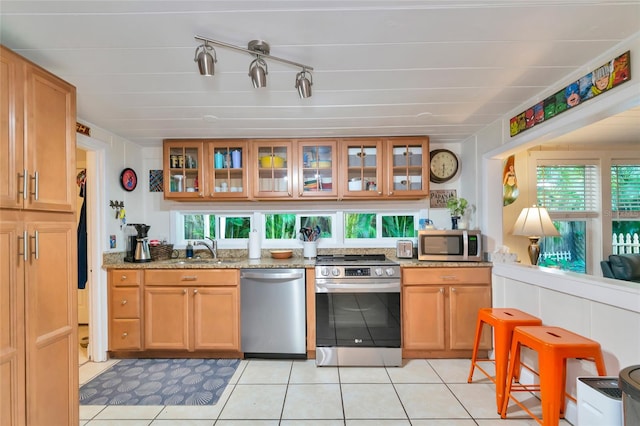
(38, 272)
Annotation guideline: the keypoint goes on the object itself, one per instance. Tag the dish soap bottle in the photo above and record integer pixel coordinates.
(189, 250)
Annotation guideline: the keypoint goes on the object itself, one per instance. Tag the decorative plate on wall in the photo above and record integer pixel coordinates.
(128, 179)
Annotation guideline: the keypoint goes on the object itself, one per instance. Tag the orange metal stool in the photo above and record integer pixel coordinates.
(553, 345)
(503, 321)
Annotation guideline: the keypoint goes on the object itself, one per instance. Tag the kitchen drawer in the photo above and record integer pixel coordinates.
(125, 277)
(443, 276)
(125, 334)
(192, 277)
(125, 302)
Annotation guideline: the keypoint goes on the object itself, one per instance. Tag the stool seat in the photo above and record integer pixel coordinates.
(554, 345)
(503, 321)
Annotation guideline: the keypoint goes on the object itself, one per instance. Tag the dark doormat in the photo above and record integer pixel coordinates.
(160, 382)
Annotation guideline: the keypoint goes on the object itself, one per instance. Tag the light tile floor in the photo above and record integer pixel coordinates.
(422, 392)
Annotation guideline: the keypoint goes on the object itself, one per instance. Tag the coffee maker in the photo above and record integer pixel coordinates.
(138, 244)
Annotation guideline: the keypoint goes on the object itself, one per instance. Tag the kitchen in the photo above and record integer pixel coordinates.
(117, 154)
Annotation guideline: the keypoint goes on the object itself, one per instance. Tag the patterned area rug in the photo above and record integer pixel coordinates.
(160, 382)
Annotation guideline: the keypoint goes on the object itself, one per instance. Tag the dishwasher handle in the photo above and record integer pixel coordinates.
(270, 276)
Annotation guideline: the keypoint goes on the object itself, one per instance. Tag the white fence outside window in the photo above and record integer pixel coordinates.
(625, 243)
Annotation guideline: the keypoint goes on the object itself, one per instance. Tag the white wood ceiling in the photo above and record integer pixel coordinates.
(440, 68)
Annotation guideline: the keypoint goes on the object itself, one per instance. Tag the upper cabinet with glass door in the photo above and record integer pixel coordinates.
(407, 167)
(227, 168)
(317, 168)
(362, 171)
(183, 169)
(272, 168)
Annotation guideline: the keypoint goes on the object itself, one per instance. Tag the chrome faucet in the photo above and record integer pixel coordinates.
(213, 247)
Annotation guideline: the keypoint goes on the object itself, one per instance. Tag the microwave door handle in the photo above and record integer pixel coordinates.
(465, 244)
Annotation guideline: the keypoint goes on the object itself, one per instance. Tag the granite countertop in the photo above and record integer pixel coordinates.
(266, 262)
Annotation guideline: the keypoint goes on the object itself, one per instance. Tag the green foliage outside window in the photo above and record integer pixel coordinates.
(359, 225)
(324, 222)
(193, 227)
(280, 226)
(568, 251)
(236, 227)
(398, 226)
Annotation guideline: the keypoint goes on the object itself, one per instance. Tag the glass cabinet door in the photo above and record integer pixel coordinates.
(273, 165)
(227, 164)
(409, 166)
(183, 169)
(317, 168)
(363, 161)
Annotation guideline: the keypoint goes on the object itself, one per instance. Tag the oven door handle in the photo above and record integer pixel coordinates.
(271, 275)
(358, 288)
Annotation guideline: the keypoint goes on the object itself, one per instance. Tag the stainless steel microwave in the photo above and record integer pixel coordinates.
(450, 245)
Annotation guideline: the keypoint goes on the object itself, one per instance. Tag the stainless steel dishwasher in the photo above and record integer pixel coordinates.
(274, 323)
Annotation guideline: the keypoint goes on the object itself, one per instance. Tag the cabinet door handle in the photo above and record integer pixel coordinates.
(189, 278)
(36, 245)
(125, 334)
(184, 291)
(195, 291)
(441, 290)
(36, 181)
(23, 176)
(124, 302)
(25, 248)
(453, 289)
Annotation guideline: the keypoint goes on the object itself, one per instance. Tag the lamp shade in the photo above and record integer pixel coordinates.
(258, 73)
(303, 84)
(534, 222)
(205, 59)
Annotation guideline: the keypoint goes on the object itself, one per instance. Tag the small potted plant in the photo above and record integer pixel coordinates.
(457, 207)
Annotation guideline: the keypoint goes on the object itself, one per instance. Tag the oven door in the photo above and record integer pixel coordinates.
(358, 316)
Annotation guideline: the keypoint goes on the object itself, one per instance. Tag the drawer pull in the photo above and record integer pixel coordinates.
(190, 278)
(123, 277)
(124, 302)
(125, 334)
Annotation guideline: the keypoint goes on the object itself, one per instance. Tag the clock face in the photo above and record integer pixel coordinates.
(444, 165)
(128, 179)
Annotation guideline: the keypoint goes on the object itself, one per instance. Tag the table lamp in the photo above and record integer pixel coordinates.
(534, 223)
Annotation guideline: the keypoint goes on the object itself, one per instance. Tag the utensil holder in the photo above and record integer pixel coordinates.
(309, 249)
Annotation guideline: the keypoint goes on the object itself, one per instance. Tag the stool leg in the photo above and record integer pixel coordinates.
(476, 343)
(515, 349)
(502, 345)
(552, 387)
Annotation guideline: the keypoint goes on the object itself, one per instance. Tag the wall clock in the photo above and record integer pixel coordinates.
(128, 179)
(444, 165)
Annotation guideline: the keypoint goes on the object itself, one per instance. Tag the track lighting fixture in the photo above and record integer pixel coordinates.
(206, 61)
(206, 58)
(258, 72)
(303, 84)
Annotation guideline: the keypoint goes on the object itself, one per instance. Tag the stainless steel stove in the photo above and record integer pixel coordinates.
(358, 320)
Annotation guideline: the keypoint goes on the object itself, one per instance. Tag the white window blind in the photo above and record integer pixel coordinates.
(568, 187)
(625, 190)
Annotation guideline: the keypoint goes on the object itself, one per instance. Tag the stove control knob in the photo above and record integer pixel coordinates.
(378, 272)
(390, 271)
(324, 271)
(335, 272)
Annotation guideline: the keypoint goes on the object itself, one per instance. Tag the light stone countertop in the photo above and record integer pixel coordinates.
(266, 262)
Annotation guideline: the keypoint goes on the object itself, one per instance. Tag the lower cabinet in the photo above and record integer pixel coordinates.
(125, 328)
(440, 308)
(192, 310)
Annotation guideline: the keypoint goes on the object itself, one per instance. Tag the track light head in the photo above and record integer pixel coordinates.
(303, 84)
(258, 72)
(205, 59)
